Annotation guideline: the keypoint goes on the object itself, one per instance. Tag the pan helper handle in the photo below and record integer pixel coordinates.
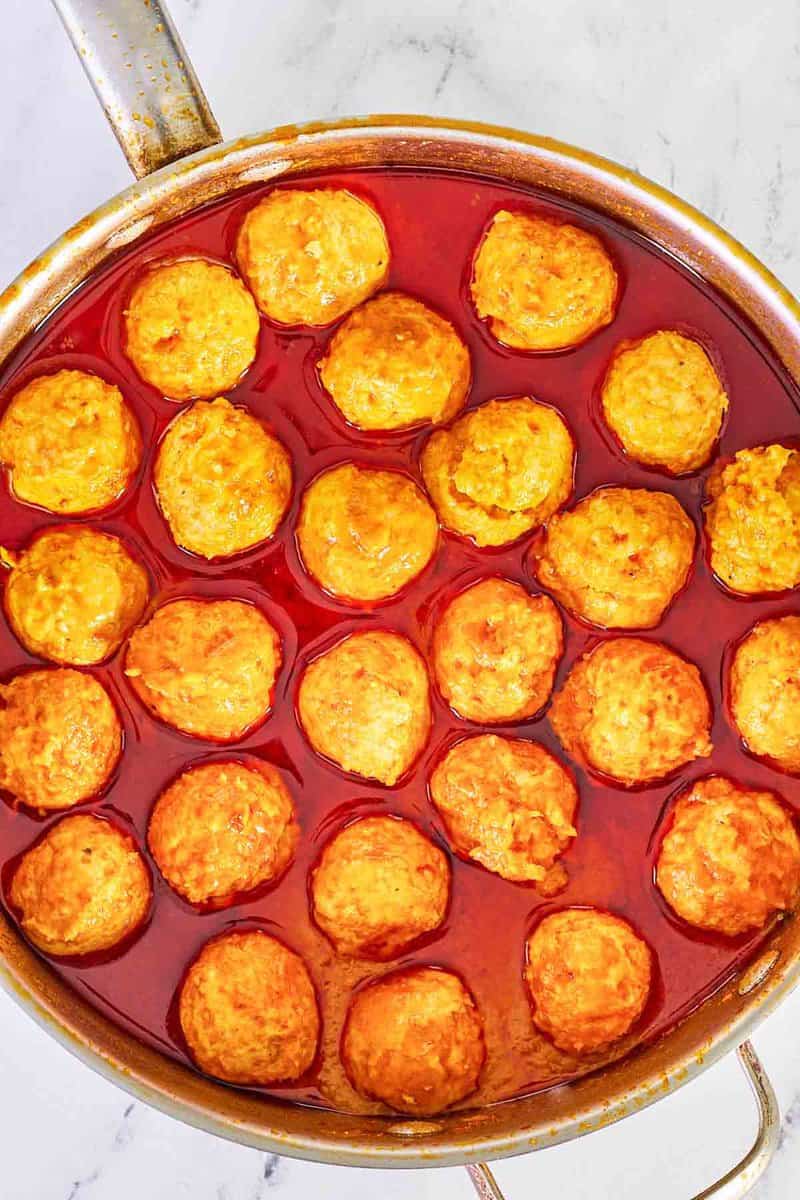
(138, 68)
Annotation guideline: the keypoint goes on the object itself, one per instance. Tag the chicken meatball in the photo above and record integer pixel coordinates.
(618, 558)
(74, 594)
(764, 691)
(223, 828)
(70, 443)
(633, 710)
(380, 884)
(206, 667)
(753, 520)
(500, 470)
(191, 328)
(495, 652)
(223, 482)
(311, 256)
(364, 704)
(60, 738)
(394, 363)
(81, 888)
(248, 1010)
(730, 858)
(589, 977)
(414, 1040)
(542, 284)
(508, 805)
(364, 534)
(664, 402)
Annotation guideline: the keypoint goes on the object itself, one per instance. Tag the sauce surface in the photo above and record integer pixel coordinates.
(434, 221)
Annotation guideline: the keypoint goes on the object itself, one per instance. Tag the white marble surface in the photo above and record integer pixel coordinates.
(704, 97)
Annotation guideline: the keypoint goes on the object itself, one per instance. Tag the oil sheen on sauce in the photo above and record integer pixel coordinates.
(434, 221)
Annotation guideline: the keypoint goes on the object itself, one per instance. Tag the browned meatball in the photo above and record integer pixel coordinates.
(60, 738)
(415, 1041)
(248, 1010)
(223, 828)
(589, 976)
(730, 858)
(764, 690)
(379, 885)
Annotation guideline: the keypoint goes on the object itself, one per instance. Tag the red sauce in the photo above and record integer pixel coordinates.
(434, 221)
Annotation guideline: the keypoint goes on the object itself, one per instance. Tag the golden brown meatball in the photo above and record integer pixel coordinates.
(221, 829)
(207, 667)
(619, 558)
(74, 594)
(753, 520)
(508, 805)
(364, 704)
(764, 691)
(70, 443)
(414, 1040)
(588, 975)
(664, 402)
(542, 284)
(223, 482)
(248, 1010)
(394, 363)
(81, 888)
(60, 738)
(379, 885)
(495, 651)
(191, 328)
(363, 533)
(730, 858)
(633, 710)
(311, 256)
(500, 470)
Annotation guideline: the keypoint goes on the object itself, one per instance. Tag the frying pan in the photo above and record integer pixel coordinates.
(156, 107)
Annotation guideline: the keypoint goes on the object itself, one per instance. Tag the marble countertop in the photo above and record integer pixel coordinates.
(704, 98)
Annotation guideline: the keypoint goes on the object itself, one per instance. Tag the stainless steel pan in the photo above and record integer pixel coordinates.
(157, 110)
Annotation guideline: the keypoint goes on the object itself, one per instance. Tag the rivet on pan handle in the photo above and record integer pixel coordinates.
(741, 1179)
(138, 68)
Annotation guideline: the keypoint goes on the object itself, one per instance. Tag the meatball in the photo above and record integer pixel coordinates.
(414, 1040)
(753, 520)
(664, 402)
(500, 470)
(542, 284)
(495, 652)
(223, 828)
(394, 363)
(380, 884)
(81, 888)
(764, 691)
(364, 704)
(60, 738)
(70, 443)
(589, 976)
(223, 482)
(74, 595)
(311, 256)
(206, 667)
(619, 558)
(633, 710)
(730, 858)
(363, 533)
(248, 1010)
(191, 328)
(508, 805)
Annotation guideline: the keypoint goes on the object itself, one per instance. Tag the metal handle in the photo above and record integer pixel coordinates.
(138, 68)
(740, 1180)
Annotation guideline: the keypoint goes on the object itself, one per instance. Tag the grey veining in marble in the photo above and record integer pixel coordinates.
(703, 97)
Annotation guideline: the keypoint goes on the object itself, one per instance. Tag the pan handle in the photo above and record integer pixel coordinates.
(138, 68)
(740, 1179)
